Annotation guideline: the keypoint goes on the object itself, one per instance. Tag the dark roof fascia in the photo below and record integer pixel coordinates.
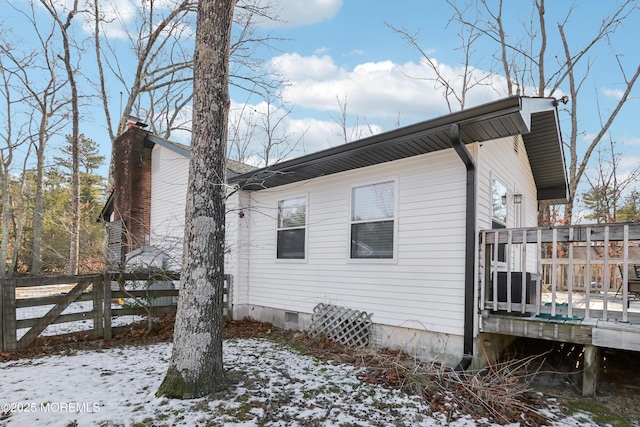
(506, 117)
(442, 123)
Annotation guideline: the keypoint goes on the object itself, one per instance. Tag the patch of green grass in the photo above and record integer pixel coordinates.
(242, 412)
(147, 422)
(162, 416)
(202, 406)
(598, 413)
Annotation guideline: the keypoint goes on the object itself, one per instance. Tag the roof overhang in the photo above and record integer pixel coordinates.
(536, 119)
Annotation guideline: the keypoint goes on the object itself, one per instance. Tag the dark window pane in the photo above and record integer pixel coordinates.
(372, 240)
(291, 244)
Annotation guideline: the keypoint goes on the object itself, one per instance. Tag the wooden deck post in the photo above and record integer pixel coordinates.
(590, 373)
(8, 340)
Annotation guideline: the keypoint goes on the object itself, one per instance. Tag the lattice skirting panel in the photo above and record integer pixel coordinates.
(341, 324)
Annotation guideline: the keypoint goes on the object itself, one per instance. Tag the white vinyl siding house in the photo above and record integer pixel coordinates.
(420, 287)
(388, 225)
(403, 255)
(168, 192)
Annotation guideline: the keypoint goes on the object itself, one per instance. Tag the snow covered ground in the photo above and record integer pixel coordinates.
(271, 385)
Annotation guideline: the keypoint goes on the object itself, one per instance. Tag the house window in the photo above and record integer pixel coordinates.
(372, 220)
(292, 228)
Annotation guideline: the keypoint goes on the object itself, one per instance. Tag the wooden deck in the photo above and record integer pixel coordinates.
(579, 284)
(612, 333)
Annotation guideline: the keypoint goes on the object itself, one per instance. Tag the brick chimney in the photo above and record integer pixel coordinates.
(132, 187)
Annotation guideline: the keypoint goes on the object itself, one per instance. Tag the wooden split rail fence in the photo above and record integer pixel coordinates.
(91, 303)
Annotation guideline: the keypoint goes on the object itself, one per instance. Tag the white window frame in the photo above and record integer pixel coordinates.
(304, 227)
(500, 222)
(394, 219)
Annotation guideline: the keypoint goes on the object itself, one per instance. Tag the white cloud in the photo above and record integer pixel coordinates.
(612, 93)
(373, 89)
(296, 68)
(119, 18)
(293, 13)
(631, 140)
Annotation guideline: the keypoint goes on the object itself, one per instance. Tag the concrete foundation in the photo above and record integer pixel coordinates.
(416, 342)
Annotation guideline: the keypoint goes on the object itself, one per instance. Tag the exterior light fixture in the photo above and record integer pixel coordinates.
(517, 199)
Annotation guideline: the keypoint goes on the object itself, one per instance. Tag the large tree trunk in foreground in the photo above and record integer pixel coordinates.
(196, 363)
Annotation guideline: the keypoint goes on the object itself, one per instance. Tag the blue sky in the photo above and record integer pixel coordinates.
(343, 51)
(350, 52)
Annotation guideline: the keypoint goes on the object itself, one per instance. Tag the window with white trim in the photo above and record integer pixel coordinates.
(292, 228)
(372, 220)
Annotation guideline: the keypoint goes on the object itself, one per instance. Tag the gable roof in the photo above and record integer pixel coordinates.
(536, 119)
(234, 168)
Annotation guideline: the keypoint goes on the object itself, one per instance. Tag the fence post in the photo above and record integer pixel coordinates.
(98, 306)
(8, 303)
(106, 312)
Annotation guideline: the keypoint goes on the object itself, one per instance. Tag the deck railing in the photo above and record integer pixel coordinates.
(569, 272)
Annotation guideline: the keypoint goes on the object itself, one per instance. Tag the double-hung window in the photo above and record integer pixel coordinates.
(372, 220)
(292, 228)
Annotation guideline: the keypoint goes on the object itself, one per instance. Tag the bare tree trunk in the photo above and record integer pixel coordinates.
(5, 176)
(38, 210)
(6, 221)
(542, 83)
(196, 367)
(74, 249)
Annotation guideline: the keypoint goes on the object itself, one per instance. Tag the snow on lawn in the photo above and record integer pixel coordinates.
(270, 385)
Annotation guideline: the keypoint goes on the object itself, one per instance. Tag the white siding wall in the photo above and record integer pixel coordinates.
(169, 175)
(236, 260)
(423, 288)
(499, 160)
